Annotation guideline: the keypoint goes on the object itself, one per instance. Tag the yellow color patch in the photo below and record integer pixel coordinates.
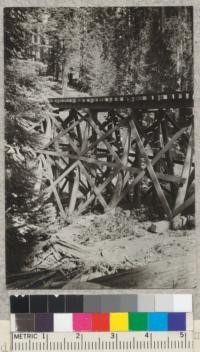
(118, 321)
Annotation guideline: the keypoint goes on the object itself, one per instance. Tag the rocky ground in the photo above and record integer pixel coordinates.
(122, 243)
(116, 249)
(118, 242)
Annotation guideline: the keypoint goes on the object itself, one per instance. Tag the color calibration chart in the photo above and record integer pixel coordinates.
(102, 322)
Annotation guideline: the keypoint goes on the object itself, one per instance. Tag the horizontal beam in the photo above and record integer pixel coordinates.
(141, 101)
(100, 163)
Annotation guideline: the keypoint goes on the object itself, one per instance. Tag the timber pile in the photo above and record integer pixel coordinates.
(65, 260)
(56, 261)
(80, 252)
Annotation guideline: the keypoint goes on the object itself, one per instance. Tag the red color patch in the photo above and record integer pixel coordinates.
(100, 322)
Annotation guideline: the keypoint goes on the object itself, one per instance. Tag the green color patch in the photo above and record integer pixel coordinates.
(138, 321)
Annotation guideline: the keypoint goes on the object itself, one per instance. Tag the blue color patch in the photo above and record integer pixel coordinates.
(158, 321)
(176, 321)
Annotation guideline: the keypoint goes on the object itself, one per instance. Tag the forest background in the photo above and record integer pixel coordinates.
(111, 50)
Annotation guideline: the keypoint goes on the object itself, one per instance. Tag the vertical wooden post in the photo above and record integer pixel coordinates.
(157, 146)
(185, 174)
(151, 171)
(78, 129)
(169, 158)
(165, 140)
(109, 139)
(93, 172)
(74, 192)
(137, 189)
(120, 177)
(55, 169)
(117, 134)
(94, 116)
(110, 126)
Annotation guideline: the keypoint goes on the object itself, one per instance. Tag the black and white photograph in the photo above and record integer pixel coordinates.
(99, 147)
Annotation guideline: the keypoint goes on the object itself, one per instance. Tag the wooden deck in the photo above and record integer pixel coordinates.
(141, 101)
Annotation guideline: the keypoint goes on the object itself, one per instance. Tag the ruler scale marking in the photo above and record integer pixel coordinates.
(139, 342)
(133, 343)
(152, 318)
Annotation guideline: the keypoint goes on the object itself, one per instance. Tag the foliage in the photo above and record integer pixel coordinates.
(112, 50)
(26, 103)
(129, 50)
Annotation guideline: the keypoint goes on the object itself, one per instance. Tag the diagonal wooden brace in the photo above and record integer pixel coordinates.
(151, 171)
(100, 134)
(100, 189)
(49, 175)
(154, 161)
(93, 187)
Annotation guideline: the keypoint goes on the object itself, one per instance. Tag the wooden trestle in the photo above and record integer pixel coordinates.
(101, 151)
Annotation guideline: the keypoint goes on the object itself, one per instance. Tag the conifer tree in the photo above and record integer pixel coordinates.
(25, 105)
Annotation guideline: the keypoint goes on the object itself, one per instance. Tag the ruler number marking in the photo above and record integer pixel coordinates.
(181, 341)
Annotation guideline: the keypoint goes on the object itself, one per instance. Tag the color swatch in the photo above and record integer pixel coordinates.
(119, 322)
(68, 313)
(101, 322)
(176, 303)
(138, 321)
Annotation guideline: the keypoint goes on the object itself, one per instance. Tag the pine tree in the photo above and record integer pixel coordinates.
(25, 104)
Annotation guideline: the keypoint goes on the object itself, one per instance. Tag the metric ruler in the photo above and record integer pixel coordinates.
(120, 341)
